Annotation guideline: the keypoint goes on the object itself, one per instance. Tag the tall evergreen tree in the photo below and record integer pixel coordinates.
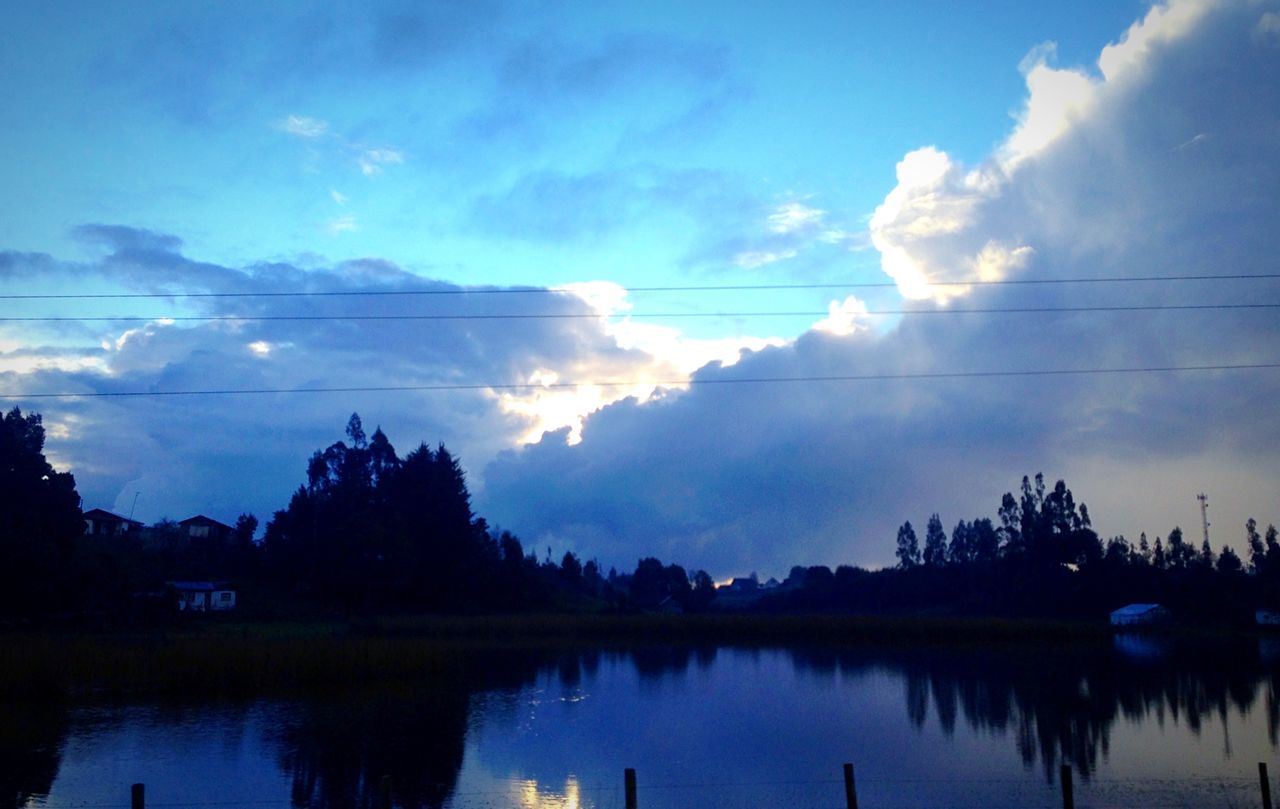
(908, 547)
(40, 518)
(935, 543)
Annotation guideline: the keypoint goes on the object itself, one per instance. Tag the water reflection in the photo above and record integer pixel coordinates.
(1060, 704)
(531, 717)
(31, 739)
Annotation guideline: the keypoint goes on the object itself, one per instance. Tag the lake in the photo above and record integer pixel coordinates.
(1142, 722)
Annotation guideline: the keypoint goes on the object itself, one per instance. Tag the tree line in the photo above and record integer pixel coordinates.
(370, 530)
(1042, 557)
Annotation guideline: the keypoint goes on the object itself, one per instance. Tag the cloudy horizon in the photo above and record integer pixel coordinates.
(668, 285)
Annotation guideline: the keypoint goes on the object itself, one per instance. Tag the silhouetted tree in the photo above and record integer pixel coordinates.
(935, 543)
(372, 529)
(571, 570)
(908, 547)
(1228, 561)
(40, 518)
(652, 583)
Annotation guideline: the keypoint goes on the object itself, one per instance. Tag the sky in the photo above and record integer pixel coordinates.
(722, 230)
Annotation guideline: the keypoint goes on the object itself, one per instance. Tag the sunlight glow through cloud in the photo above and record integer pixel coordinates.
(672, 357)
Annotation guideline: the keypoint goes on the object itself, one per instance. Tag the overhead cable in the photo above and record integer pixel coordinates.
(525, 290)
(995, 310)
(695, 381)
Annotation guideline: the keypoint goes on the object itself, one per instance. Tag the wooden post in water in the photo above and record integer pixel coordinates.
(1068, 796)
(384, 792)
(629, 782)
(850, 790)
(138, 797)
(1265, 783)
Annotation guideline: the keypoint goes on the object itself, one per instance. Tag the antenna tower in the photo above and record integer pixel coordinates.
(1204, 514)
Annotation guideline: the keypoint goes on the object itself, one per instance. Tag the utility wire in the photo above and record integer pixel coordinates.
(595, 315)
(695, 288)
(758, 380)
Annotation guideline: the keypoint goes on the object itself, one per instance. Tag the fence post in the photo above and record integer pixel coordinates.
(138, 797)
(1068, 795)
(629, 782)
(1265, 783)
(850, 791)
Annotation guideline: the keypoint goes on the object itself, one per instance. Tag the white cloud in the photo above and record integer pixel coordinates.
(917, 227)
(303, 127)
(997, 262)
(1055, 98)
(667, 359)
(342, 224)
(795, 216)
(372, 161)
(752, 259)
(337, 196)
(844, 317)
(1090, 183)
(1268, 27)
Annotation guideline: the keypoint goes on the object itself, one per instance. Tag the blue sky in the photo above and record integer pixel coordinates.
(535, 144)
(381, 147)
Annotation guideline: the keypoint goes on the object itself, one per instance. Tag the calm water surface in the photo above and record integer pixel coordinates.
(1141, 724)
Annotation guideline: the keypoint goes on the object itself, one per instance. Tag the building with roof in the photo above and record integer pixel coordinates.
(202, 596)
(102, 523)
(202, 527)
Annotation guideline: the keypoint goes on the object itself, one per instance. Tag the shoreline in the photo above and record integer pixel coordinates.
(231, 658)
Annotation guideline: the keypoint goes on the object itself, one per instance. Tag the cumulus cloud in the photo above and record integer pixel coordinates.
(520, 378)
(225, 454)
(737, 473)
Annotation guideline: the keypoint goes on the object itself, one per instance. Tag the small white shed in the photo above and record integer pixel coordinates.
(203, 596)
(1139, 615)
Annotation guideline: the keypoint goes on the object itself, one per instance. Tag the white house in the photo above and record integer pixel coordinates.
(1139, 615)
(203, 596)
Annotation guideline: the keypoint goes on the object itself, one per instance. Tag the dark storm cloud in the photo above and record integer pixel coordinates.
(762, 476)
(226, 454)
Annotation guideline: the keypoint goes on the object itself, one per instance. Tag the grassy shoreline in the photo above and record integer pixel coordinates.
(225, 658)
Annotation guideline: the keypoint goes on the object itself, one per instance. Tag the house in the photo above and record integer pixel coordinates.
(101, 523)
(203, 596)
(202, 527)
(1139, 615)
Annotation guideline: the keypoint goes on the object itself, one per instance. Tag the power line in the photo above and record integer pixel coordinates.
(759, 380)
(693, 288)
(595, 315)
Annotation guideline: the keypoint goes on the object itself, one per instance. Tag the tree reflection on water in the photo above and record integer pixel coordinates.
(1060, 704)
(1054, 703)
(32, 734)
